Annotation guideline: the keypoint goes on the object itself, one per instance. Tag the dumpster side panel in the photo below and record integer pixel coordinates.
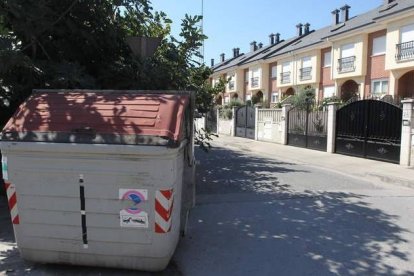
(50, 230)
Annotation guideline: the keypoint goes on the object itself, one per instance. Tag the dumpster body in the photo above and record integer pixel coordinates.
(85, 196)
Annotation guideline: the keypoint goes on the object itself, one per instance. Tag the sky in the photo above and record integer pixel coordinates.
(235, 23)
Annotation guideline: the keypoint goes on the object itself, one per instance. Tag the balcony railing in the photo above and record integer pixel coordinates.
(285, 77)
(405, 51)
(231, 85)
(305, 73)
(255, 82)
(346, 65)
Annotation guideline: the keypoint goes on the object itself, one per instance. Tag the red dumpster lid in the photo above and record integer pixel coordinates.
(109, 117)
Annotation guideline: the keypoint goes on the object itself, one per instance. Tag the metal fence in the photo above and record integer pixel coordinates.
(272, 115)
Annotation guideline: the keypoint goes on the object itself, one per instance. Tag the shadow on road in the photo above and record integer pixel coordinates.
(227, 171)
(311, 233)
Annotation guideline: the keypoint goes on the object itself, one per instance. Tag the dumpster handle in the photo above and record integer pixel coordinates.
(83, 213)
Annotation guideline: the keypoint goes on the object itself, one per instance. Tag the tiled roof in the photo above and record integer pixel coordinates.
(117, 117)
(274, 48)
(316, 37)
(394, 8)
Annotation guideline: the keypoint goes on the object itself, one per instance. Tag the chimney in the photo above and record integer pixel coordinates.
(212, 62)
(222, 57)
(335, 17)
(387, 2)
(253, 46)
(234, 52)
(238, 51)
(345, 13)
(272, 39)
(260, 45)
(299, 29)
(306, 28)
(277, 38)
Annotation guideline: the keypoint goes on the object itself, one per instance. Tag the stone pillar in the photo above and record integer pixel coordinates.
(393, 83)
(284, 125)
(233, 122)
(331, 128)
(361, 91)
(256, 128)
(406, 132)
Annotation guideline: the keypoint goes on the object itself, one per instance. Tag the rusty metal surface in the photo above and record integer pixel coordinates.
(85, 116)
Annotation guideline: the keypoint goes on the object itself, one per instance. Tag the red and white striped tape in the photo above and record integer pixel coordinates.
(12, 198)
(164, 203)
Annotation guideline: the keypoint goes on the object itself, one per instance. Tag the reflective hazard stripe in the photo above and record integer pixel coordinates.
(12, 199)
(164, 204)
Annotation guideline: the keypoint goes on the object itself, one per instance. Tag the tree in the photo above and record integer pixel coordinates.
(82, 44)
(304, 98)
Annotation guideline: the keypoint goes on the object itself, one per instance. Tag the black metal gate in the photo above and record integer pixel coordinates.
(245, 122)
(307, 128)
(369, 129)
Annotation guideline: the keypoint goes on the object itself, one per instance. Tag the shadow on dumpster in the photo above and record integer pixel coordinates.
(293, 233)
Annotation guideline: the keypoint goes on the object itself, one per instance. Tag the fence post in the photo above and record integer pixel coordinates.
(406, 135)
(233, 122)
(331, 128)
(285, 114)
(256, 128)
(218, 121)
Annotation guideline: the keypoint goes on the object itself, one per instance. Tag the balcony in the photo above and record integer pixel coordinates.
(285, 77)
(305, 73)
(346, 65)
(255, 82)
(405, 51)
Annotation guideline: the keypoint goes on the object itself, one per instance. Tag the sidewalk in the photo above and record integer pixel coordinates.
(369, 170)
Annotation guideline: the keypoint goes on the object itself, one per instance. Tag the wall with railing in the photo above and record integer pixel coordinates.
(269, 125)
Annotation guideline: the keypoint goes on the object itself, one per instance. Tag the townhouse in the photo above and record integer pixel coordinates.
(367, 56)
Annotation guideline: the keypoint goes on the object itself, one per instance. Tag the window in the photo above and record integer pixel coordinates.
(327, 59)
(285, 75)
(328, 91)
(378, 46)
(216, 81)
(347, 50)
(379, 87)
(246, 76)
(407, 33)
(275, 97)
(274, 72)
(306, 70)
(231, 81)
(347, 61)
(405, 49)
(255, 82)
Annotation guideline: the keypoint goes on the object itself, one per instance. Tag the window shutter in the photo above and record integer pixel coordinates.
(306, 62)
(378, 46)
(407, 33)
(347, 50)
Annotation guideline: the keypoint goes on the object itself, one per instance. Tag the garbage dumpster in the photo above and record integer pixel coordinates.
(100, 178)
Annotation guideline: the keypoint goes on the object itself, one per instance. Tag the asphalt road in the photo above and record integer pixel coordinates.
(257, 215)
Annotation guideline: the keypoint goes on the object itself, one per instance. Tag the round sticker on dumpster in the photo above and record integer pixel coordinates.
(132, 215)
